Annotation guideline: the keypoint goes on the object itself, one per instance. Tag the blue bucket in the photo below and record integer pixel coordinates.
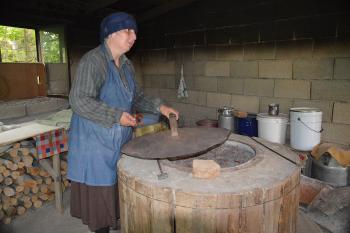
(248, 126)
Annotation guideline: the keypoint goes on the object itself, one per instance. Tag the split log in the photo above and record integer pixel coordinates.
(9, 192)
(19, 188)
(6, 220)
(7, 163)
(21, 210)
(13, 201)
(15, 174)
(26, 190)
(27, 160)
(44, 196)
(48, 180)
(2, 167)
(17, 145)
(1, 178)
(8, 181)
(6, 173)
(35, 189)
(44, 189)
(2, 214)
(26, 181)
(9, 210)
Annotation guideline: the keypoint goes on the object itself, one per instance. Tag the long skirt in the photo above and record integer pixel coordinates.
(96, 206)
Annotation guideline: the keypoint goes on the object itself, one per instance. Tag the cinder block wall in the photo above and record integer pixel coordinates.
(269, 53)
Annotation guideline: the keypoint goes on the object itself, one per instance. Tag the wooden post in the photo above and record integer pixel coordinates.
(54, 171)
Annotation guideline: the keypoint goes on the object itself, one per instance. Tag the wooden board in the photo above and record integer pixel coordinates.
(19, 80)
(26, 131)
(190, 142)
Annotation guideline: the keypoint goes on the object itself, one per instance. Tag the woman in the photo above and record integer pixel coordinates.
(103, 97)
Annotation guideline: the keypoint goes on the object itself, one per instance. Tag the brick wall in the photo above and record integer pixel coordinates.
(299, 61)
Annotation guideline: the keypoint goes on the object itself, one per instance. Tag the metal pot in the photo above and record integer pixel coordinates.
(327, 169)
(226, 118)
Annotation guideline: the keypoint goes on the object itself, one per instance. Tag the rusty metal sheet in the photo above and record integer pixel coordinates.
(189, 143)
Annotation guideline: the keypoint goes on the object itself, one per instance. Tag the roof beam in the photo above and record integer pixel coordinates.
(96, 5)
(156, 11)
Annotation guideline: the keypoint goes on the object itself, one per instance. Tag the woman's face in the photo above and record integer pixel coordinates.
(123, 40)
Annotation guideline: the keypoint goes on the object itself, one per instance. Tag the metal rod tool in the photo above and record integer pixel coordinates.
(162, 175)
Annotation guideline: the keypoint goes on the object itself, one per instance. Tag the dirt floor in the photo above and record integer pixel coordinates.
(47, 220)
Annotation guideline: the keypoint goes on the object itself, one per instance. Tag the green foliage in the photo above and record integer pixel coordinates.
(17, 44)
(50, 47)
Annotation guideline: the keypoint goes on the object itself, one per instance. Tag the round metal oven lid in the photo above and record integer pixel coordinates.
(189, 143)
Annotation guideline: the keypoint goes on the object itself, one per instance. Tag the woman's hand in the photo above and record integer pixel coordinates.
(165, 110)
(128, 120)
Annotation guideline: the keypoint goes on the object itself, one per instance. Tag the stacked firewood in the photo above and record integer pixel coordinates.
(24, 183)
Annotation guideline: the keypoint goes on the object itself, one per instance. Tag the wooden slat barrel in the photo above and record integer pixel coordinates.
(261, 195)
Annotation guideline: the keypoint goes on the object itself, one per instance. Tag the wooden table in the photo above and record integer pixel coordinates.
(29, 130)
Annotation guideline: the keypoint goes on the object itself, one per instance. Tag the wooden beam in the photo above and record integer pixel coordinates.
(96, 5)
(163, 9)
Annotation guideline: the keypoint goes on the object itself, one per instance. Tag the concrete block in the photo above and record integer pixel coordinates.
(331, 48)
(275, 69)
(313, 68)
(201, 112)
(299, 89)
(294, 49)
(336, 133)
(245, 103)
(204, 53)
(284, 103)
(325, 106)
(180, 54)
(218, 100)
(342, 68)
(341, 113)
(158, 55)
(331, 90)
(168, 94)
(197, 97)
(229, 53)
(231, 86)
(147, 81)
(206, 84)
(58, 87)
(9, 111)
(259, 51)
(153, 92)
(48, 105)
(159, 68)
(160, 81)
(56, 71)
(183, 108)
(244, 69)
(198, 68)
(217, 69)
(259, 87)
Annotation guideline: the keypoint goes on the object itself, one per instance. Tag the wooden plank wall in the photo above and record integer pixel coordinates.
(19, 80)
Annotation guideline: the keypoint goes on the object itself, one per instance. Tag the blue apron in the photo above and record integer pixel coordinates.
(94, 150)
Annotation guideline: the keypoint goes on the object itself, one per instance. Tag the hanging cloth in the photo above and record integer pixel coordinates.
(182, 90)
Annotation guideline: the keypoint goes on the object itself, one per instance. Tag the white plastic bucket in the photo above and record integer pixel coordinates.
(272, 128)
(305, 128)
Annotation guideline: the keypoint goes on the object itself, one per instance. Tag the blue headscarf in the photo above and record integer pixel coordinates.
(116, 22)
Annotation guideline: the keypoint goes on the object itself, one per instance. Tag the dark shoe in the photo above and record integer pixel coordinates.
(102, 230)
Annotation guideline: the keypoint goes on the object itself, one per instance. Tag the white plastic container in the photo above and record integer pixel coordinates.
(305, 128)
(272, 128)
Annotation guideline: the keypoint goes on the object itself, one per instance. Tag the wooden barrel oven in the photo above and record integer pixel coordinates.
(259, 195)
